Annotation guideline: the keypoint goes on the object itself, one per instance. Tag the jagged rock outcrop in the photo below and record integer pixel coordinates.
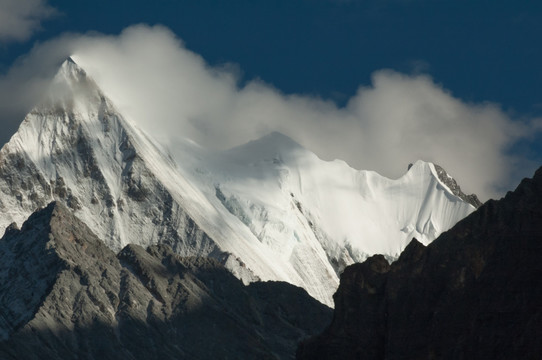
(474, 293)
(455, 188)
(65, 295)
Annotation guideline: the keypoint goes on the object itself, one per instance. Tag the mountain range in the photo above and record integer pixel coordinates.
(266, 210)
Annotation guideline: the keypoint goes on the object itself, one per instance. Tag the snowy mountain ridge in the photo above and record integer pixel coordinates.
(268, 210)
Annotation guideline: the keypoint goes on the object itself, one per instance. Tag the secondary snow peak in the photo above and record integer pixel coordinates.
(273, 145)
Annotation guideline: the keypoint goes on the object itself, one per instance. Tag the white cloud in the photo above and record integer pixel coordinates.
(19, 19)
(396, 120)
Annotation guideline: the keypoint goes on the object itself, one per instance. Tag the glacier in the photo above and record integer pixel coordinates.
(269, 209)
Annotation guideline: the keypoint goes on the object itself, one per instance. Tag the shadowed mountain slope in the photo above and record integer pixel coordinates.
(65, 295)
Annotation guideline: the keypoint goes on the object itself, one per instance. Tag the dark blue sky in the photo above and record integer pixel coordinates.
(480, 50)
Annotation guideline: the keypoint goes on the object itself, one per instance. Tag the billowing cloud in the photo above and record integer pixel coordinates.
(171, 92)
(19, 19)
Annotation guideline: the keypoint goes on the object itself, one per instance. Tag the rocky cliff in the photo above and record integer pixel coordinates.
(474, 293)
(65, 295)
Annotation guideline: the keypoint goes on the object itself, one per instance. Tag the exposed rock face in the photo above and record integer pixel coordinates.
(474, 293)
(455, 188)
(65, 295)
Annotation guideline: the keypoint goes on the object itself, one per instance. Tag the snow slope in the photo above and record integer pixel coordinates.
(269, 209)
(286, 195)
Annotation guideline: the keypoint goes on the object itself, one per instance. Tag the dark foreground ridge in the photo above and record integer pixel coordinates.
(65, 295)
(474, 293)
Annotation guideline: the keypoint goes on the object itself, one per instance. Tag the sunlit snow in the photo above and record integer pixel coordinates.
(269, 209)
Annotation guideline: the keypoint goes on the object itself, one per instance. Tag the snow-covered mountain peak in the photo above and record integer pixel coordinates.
(287, 195)
(75, 147)
(273, 146)
(71, 91)
(276, 153)
(274, 141)
(70, 70)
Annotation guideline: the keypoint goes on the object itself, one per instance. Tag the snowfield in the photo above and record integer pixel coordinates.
(269, 209)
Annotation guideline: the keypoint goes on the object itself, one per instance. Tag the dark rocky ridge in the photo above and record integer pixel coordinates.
(474, 293)
(65, 295)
